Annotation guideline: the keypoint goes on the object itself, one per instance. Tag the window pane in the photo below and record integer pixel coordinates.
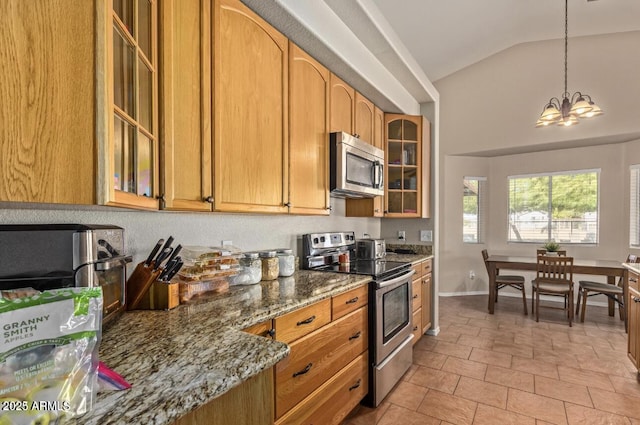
(560, 207)
(145, 96)
(473, 210)
(124, 10)
(144, 27)
(145, 165)
(123, 76)
(634, 213)
(123, 141)
(409, 130)
(395, 202)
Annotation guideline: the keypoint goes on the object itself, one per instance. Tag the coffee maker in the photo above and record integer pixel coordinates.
(51, 256)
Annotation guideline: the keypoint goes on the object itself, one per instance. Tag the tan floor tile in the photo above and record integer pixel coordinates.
(482, 392)
(554, 357)
(475, 341)
(468, 329)
(580, 415)
(513, 349)
(496, 334)
(610, 367)
(510, 378)
(452, 350)
(465, 367)
(399, 415)
(536, 367)
(409, 373)
(574, 348)
(435, 379)
(537, 406)
(489, 415)
(626, 386)
(446, 336)
(565, 391)
(490, 357)
(616, 403)
(427, 343)
(448, 408)
(407, 395)
(363, 415)
(583, 377)
(429, 359)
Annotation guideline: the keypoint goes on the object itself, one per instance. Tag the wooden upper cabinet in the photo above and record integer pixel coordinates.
(48, 119)
(185, 120)
(131, 152)
(342, 111)
(364, 118)
(426, 168)
(309, 84)
(250, 112)
(378, 128)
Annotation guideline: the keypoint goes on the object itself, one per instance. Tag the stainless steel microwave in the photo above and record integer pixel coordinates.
(357, 168)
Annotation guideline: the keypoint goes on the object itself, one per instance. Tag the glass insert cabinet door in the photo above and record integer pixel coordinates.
(404, 150)
(134, 102)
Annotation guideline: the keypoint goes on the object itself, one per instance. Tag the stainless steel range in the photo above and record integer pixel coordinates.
(390, 348)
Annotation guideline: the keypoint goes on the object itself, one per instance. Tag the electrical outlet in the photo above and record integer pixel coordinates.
(426, 236)
(225, 243)
(401, 235)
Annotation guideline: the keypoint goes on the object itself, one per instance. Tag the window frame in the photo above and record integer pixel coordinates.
(551, 174)
(634, 206)
(481, 215)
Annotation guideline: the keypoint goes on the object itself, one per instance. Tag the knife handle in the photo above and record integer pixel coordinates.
(153, 253)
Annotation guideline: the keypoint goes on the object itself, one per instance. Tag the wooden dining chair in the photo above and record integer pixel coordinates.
(589, 288)
(554, 276)
(502, 281)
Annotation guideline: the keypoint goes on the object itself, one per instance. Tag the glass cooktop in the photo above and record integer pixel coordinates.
(375, 268)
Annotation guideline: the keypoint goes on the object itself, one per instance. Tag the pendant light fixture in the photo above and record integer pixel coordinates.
(572, 107)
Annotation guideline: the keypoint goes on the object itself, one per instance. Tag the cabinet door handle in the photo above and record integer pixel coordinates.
(306, 321)
(303, 371)
(415, 328)
(356, 385)
(631, 279)
(352, 300)
(208, 199)
(636, 299)
(415, 296)
(355, 336)
(270, 332)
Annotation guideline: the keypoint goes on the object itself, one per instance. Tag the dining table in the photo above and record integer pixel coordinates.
(609, 268)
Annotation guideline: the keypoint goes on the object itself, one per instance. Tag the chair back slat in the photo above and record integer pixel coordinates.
(554, 269)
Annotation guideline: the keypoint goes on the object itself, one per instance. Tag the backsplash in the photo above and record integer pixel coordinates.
(246, 231)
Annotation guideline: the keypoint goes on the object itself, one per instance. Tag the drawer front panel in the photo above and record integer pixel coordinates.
(418, 269)
(333, 401)
(303, 321)
(344, 304)
(426, 266)
(416, 294)
(317, 357)
(416, 325)
(264, 329)
(633, 281)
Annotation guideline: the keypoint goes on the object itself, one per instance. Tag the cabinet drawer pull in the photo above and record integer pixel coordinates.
(270, 332)
(415, 296)
(303, 371)
(636, 299)
(634, 280)
(355, 335)
(352, 300)
(306, 321)
(415, 328)
(356, 385)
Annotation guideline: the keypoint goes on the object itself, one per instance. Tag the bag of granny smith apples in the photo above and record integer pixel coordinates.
(49, 354)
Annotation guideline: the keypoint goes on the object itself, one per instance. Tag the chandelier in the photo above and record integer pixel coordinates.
(572, 107)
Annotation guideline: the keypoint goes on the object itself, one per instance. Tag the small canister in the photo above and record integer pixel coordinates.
(251, 269)
(270, 265)
(286, 262)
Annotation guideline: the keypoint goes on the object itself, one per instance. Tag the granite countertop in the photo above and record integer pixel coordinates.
(407, 258)
(181, 359)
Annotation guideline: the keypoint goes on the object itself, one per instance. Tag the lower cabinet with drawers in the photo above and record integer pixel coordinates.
(422, 289)
(633, 317)
(326, 373)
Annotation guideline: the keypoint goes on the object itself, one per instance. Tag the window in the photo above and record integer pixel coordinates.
(473, 209)
(634, 213)
(557, 206)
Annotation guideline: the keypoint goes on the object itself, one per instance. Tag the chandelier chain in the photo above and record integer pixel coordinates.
(566, 44)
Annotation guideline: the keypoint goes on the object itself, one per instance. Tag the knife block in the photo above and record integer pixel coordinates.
(161, 296)
(139, 283)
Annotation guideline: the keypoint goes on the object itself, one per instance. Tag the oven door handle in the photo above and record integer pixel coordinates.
(396, 280)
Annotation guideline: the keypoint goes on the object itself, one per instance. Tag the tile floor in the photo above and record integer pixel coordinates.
(507, 369)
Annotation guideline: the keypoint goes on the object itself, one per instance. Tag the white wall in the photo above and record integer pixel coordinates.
(249, 232)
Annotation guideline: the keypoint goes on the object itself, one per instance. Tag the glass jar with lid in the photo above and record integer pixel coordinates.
(251, 269)
(286, 262)
(270, 265)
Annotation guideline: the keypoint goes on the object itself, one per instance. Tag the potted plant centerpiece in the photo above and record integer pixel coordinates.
(552, 247)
